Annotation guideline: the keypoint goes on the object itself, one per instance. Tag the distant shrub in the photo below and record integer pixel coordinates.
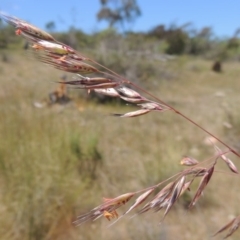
(89, 158)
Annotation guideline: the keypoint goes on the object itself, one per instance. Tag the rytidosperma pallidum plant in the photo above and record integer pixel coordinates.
(105, 81)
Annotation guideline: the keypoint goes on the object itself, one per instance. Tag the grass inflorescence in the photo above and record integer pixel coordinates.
(43, 179)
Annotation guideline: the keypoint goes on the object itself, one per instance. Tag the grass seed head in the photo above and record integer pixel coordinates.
(175, 194)
(52, 47)
(151, 106)
(68, 65)
(204, 181)
(233, 225)
(132, 114)
(128, 92)
(133, 100)
(111, 92)
(189, 161)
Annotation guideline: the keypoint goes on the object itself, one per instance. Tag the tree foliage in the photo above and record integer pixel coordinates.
(118, 12)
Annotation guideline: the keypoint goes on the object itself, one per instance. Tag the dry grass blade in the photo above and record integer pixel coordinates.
(132, 114)
(233, 225)
(204, 181)
(189, 161)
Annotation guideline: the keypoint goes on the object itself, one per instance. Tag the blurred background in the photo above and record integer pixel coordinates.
(61, 152)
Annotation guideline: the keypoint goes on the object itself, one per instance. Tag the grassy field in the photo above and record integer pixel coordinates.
(58, 162)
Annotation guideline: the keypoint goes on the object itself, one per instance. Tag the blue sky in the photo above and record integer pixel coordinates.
(222, 15)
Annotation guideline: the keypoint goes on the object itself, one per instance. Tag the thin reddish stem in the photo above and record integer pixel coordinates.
(187, 118)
